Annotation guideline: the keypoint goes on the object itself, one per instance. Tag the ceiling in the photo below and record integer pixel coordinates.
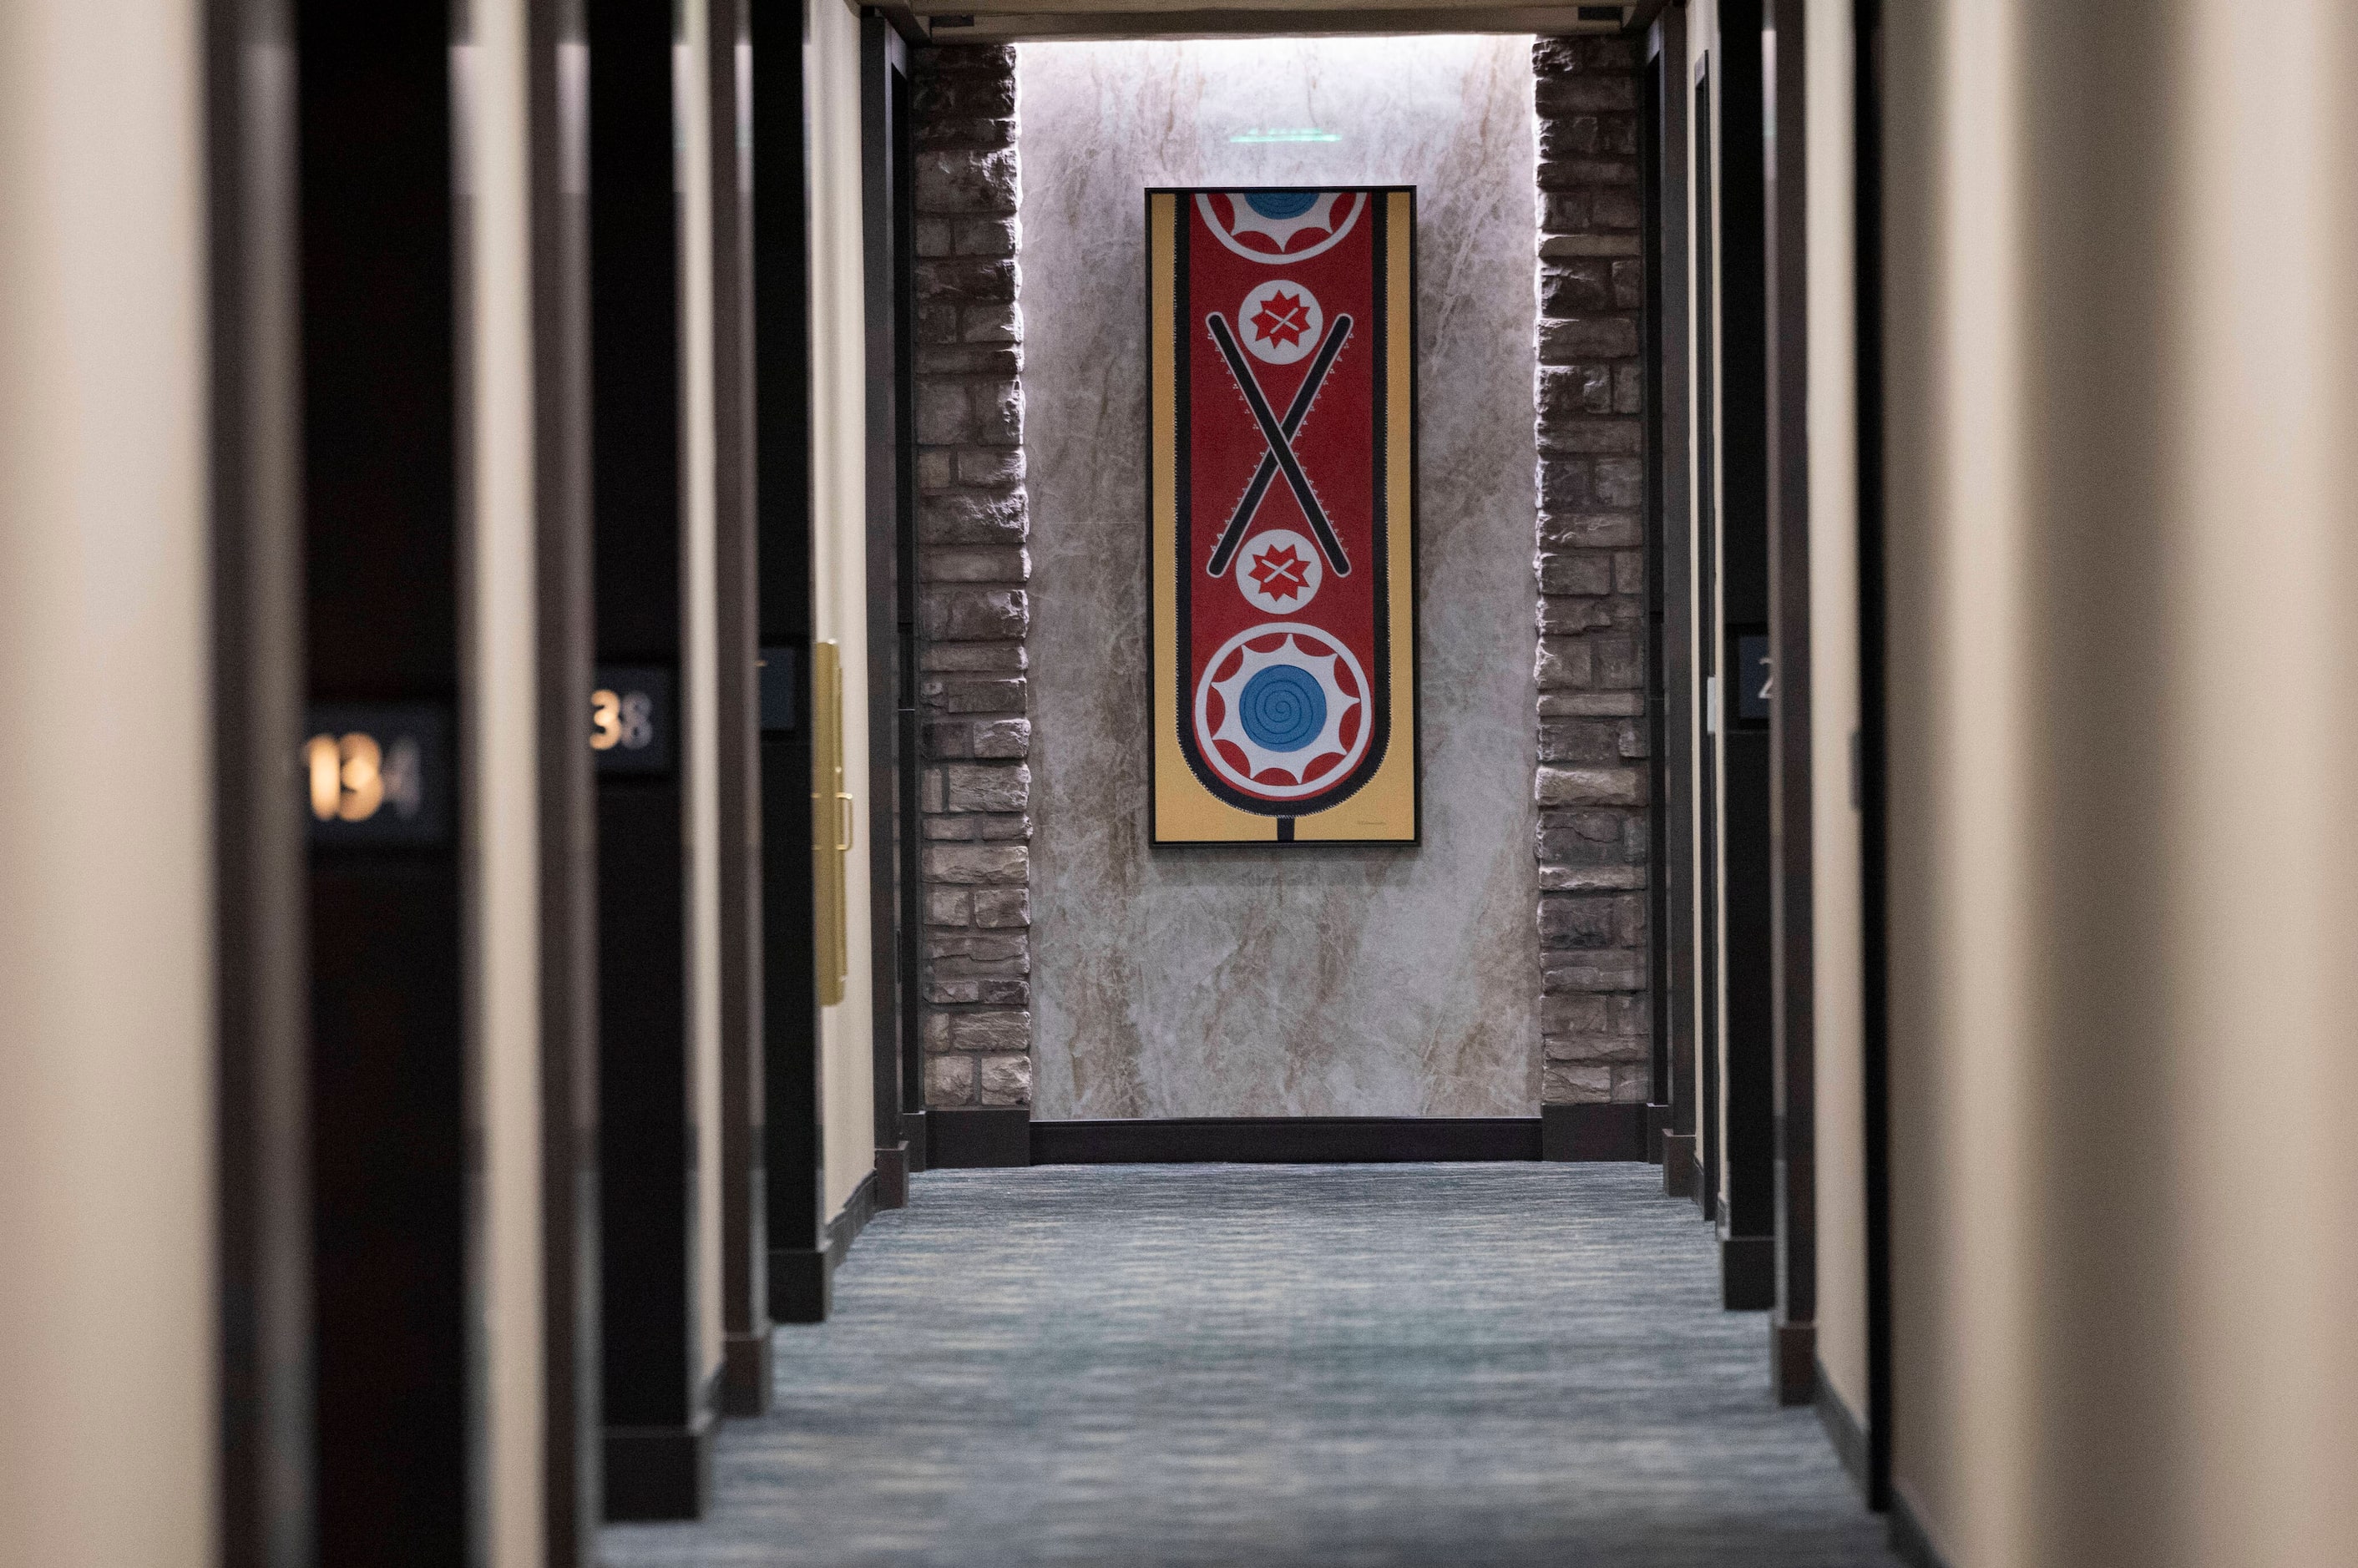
(1000, 21)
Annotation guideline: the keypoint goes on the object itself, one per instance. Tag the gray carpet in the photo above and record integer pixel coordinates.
(1272, 1366)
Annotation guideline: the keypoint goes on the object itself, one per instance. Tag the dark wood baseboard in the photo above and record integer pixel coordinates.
(801, 1284)
(1592, 1132)
(802, 1280)
(1844, 1429)
(658, 1472)
(1658, 1127)
(1747, 1272)
(1286, 1141)
(1678, 1164)
(913, 1134)
(745, 1374)
(850, 1220)
(1793, 1361)
(892, 1176)
(978, 1137)
(1911, 1542)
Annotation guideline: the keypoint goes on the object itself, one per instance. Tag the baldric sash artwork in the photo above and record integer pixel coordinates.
(1281, 512)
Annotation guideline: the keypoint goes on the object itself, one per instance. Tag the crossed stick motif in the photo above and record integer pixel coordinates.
(1280, 455)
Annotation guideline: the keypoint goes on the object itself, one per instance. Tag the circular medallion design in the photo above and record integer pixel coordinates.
(1282, 708)
(1282, 711)
(1281, 226)
(1278, 571)
(1280, 321)
(1282, 204)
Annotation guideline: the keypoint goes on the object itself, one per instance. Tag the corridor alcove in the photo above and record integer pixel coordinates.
(1240, 982)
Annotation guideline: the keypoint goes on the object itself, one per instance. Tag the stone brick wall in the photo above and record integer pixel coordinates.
(972, 567)
(1591, 784)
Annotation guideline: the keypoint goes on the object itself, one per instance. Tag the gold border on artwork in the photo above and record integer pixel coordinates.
(1384, 810)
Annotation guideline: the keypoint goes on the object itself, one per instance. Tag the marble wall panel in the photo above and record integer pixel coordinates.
(1257, 981)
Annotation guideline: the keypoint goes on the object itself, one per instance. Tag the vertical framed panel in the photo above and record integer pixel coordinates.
(782, 345)
(1669, 581)
(1747, 1205)
(1874, 787)
(1793, 1364)
(745, 1263)
(656, 1411)
(388, 917)
(559, 88)
(266, 1322)
(1708, 1035)
(888, 212)
(1275, 719)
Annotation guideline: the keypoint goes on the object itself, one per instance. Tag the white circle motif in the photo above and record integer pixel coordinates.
(1280, 321)
(1278, 571)
(1327, 739)
(1358, 200)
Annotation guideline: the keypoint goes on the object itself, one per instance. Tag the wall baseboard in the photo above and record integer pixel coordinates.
(1911, 1542)
(1287, 1141)
(1747, 1272)
(802, 1280)
(845, 1228)
(658, 1472)
(745, 1373)
(1592, 1132)
(1792, 1360)
(1845, 1431)
(892, 1176)
(978, 1138)
(1678, 1164)
(801, 1287)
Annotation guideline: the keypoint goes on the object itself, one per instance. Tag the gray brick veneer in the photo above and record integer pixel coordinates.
(1591, 783)
(974, 611)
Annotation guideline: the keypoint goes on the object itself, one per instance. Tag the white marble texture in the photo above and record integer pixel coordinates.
(1256, 981)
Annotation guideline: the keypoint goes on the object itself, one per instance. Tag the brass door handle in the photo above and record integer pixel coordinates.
(846, 822)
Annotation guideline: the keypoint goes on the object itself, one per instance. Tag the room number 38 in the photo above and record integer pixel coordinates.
(621, 719)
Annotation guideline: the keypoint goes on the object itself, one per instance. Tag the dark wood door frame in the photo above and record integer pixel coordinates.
(894, 915)
(1670, 578)
(744, 1231)
(392, 1233)
(1793, 1354)
(262, 969)
(1747, 1208)
(794, 1145)
(658, 1413)
(1705, 1181)
(575, 1473)
(1873, 748)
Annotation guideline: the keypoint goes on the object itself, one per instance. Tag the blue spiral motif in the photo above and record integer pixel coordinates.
(1282, 709)
(1282, 204)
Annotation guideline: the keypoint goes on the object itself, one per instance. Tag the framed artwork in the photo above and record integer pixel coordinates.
(1282, 515)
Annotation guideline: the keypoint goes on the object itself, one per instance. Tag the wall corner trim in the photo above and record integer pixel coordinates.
(1592, 1132)
(978, 1137)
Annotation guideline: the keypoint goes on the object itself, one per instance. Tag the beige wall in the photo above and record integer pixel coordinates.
(838, 553)
(699, 623)
(502, 691)
(106, 1047)
(1834, 710)
(2125, 880)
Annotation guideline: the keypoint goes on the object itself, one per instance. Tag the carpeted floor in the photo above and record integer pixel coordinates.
(1264, 1366)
